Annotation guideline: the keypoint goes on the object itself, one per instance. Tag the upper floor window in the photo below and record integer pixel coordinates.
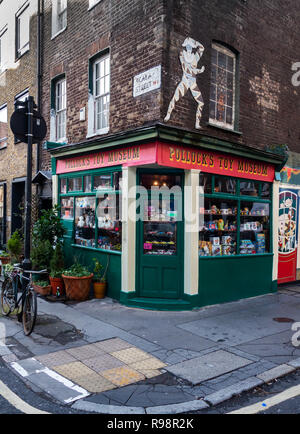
(22, 30)
(101, 87)
(93, 3)
(61, 109)
(3, 49)
(59, 16)
(3, 126)
(222, 88)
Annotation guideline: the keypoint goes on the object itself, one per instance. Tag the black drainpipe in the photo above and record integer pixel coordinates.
(39, 71)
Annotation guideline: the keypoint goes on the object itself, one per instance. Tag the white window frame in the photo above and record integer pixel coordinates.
(61, 109)
(3, 140)
(59, 17)
(22, 50)
(213, 121)
(93, 3)
(100, 95)
(3, 49)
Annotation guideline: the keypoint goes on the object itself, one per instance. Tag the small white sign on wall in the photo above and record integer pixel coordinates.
(147, 81)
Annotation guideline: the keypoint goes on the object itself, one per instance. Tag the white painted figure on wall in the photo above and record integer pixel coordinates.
(189, 61)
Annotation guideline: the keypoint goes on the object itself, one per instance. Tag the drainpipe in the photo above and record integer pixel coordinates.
(39, 70)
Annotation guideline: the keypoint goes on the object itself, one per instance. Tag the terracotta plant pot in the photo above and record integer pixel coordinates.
(77, 288)
(5, 260)
(42, 290)
(57, 284)
(99, 289)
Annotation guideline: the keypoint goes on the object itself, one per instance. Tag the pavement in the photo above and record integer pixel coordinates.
(99, 356)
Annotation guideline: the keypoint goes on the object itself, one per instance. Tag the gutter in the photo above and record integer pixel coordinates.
(39, 71)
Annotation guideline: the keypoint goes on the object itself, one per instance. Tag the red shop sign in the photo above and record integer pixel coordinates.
(213, 162)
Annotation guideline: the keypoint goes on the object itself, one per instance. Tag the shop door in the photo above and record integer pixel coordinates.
(160, 256)
(287, 235)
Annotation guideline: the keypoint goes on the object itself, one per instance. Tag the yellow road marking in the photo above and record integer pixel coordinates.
(17, 402)
(270, 402)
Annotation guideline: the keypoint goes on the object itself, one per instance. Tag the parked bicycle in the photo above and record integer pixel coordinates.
(26, 304)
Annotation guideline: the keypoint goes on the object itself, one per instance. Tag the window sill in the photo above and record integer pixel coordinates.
(261, 255)
(58, 33)
(224, 128)
(3, 147)
(19, 56)
(113, 252)
(98, 133)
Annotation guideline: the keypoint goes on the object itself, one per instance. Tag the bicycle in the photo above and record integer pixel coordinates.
(13, 283)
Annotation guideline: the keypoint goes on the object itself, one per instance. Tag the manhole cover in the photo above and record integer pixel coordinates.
(283, 320)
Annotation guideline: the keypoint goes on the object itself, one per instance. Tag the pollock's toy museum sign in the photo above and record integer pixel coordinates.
(180, 157)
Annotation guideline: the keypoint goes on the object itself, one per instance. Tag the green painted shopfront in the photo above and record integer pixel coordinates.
(181, 220)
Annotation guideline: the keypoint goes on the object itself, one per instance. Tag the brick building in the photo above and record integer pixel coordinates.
(153, 93)
(18, 79)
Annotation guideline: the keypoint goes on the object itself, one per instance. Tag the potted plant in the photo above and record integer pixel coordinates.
(56, 270)
(42, 287)
(5, 259)
(99, 281)
(15, 247)
(77, 280)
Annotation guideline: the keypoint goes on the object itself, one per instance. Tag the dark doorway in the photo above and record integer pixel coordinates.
(17, 206)
(2, 215)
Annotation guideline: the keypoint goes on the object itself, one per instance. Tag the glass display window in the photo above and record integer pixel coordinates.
(159, 180)
(109, 222)
(254, 228)
(225, 185)
(85, 209)
(102, 182)
(249, 188)
(205, 183)
(87, 182)
(75, 184)
(265, 190)
(117, 181)
(67, 208)
(218, 227)
(63, 186)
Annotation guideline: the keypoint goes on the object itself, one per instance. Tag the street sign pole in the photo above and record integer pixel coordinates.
(28, 193)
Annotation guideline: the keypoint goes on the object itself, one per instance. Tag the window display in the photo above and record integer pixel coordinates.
(218, 227)
(75, 184)
(254, 228)
(63, 185)
(85, 221)
(234, 226)
(102, 182)
(67, 208)
(109, 222)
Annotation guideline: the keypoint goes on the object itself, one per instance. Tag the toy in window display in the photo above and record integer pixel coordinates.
(80, 223)
(214, 210)
(221, 225)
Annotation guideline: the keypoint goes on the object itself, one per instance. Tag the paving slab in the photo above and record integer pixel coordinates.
(209, 366)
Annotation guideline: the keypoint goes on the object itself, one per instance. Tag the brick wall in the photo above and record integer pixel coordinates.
(144, 33)
(13, 158)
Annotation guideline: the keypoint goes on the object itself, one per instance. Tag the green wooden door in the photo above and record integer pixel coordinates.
(160, 247)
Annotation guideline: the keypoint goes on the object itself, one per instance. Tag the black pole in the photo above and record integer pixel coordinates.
(28, 193)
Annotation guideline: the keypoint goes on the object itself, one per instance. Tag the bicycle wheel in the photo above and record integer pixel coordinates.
(7, 297)
(29, 311)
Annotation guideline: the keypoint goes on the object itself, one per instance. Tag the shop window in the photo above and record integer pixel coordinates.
(3, 127)
(218, 227)
(85, 209)
(75, 184)
(249, 188)
(205, 183)
(109, 222)
(22, 30)
(67, 208)
(225, 185)
(63, 186)
(87, 181)
(234, 226)
(159, 180)
(222, 88)
(102, 182)
(254, 228)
